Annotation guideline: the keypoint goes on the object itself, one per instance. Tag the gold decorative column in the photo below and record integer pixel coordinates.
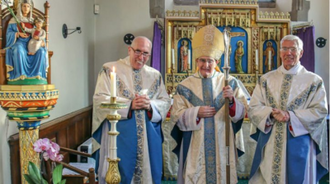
(113, 175)
(27, 138)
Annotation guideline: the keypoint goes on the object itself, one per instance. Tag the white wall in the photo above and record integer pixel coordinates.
(72, 66)
(319, 14)
(116, 19)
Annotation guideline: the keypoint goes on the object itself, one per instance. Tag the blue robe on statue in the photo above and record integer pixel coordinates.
(19, 64)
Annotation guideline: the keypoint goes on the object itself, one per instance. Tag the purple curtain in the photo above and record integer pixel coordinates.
(156, 48)
(308, 58)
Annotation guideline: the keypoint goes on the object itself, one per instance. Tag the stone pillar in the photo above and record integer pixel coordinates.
(300, 10)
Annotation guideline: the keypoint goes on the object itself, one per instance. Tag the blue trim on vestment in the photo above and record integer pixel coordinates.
(127, 148)
(237, 127)
(155, 140)
(97, 135)
(295, 148)
(209, 134)
(188, 95)
(262, 140)
(296, 160)
(320, 171)
(184, 137)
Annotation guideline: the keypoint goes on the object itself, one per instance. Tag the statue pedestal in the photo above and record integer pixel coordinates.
(28, 105)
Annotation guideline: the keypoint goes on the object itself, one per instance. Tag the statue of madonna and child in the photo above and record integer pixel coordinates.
(24, 68)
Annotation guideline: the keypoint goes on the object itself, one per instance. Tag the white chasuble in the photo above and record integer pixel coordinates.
(205, 159)
(146, 81)
(302, 94)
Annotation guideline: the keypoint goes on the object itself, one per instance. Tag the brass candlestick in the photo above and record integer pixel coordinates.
(173, 79)
(113, 175)
(257, 74)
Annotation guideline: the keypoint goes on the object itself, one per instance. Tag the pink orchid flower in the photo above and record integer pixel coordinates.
(49, 149)
(41, 145)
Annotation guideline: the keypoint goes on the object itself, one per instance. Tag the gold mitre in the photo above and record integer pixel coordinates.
(208, 41)
(27, 1)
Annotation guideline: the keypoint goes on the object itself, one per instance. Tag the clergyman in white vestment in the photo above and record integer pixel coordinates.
(139, 143)
(199, 112)
(289, 108)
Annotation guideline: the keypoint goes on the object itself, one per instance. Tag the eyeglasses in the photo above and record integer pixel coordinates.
(209, 61)
(138, 53)
(291, 49)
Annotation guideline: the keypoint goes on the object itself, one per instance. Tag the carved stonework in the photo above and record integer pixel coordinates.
(157, 8)
(179, 13)
(274, 16)
(300, 10)
(238, 18)
(184, 31)
(255, 46)
(186, 2)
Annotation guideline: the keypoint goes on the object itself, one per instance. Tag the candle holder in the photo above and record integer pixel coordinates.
(113, 175)
(173, 79)
(257, 75)
(268, 69)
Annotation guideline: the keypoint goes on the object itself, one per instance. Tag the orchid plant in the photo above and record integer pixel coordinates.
(48, 150)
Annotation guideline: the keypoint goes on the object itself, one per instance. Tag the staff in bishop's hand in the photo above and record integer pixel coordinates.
(226, 68)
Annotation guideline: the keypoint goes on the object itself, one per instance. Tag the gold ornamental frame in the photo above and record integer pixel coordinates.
(259, 27)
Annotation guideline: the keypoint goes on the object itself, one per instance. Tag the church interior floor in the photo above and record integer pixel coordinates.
(324, 180)
(174, 182)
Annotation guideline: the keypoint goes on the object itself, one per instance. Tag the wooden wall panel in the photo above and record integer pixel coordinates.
(69, 131)
(71, 135)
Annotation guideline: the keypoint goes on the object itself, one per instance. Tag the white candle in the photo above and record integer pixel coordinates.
(257, 62)
(113, 82)
(270, 60)
(173, 58)
(189, 58)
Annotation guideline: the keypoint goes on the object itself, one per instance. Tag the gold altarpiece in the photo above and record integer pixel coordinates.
(254, 27)
(256, 30)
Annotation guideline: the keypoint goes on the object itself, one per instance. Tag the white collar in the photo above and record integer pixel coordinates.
(199, 75)
(294, 70)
